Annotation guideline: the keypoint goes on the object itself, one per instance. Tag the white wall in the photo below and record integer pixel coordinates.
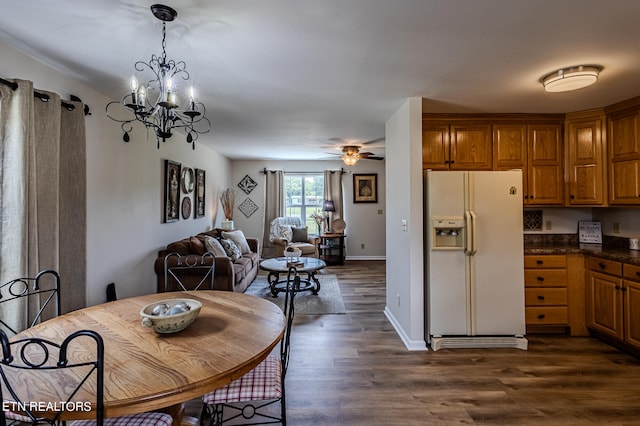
(364, 223)
(563, 220)
(627, 218)
(405, 273)
(124, 187)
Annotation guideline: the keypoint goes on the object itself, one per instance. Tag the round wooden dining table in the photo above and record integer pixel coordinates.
(145, 370)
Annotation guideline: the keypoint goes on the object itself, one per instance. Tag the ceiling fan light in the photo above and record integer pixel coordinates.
(350, 160)
(572, 78)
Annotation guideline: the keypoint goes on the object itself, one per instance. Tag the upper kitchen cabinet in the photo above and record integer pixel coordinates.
(536, 148)
(545, 184)
(456, 145)
(585, 143)
(624, 152)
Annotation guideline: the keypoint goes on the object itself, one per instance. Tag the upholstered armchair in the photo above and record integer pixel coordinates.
(285, 231)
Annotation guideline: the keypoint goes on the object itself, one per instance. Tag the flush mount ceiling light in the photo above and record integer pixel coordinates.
(572, 78)
(154, 96)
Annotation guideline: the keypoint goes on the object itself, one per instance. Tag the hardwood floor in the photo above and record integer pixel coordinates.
(353, 369)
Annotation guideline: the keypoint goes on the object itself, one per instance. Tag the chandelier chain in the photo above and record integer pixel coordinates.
(164, 43)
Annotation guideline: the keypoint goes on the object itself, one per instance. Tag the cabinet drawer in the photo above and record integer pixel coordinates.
(545, 278)
(546, 315)
(631, 272)
(545, 296)
(605, 266)
(545, 261)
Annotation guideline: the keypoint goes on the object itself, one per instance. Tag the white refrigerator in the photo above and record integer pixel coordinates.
(474, 266)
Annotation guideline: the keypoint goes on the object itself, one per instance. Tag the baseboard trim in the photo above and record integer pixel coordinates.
(468, 342)
(412, 345)
(366, 258)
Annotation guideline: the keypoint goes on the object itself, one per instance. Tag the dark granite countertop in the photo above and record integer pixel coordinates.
(611, 250)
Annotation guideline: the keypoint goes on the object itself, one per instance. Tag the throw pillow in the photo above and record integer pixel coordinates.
(231, 249)
(239, 239)
(197, 246)
(213, 245)
(299, 235)
(286, 233)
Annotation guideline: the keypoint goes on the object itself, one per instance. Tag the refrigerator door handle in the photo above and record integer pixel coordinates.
(474, 219)
(468, 243)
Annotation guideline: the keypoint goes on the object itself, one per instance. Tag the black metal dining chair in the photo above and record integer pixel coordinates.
(250, 395)
(189, 272)
(38, 298)
(48, 357)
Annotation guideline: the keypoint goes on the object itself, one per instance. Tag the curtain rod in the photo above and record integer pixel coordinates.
(45, 98)
(265, 171)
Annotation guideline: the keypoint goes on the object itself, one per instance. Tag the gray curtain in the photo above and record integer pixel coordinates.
(43, 199)
(273, 206)
(333, 192)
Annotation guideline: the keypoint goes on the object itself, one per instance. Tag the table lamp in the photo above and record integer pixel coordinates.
(328, 207)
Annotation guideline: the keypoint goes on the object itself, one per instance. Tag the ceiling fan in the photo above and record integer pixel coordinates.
(351, 153)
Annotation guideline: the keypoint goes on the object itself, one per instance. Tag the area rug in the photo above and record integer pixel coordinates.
(327, 301)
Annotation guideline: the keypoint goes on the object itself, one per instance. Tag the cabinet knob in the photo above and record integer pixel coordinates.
(638, 274)
(539, 262)
(572, 197)
(623, 289)
(531, 197)
(452, 161)
(540, 279)
(541, 316)
(617, 287)
(541, 297)
(602, 265)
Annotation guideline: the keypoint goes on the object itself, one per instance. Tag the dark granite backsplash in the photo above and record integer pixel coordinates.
(572, 239)
(551, 239)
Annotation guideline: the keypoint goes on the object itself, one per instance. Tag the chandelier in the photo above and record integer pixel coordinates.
(154, 100)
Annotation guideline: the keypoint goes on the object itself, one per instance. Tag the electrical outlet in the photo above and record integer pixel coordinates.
(616, 227)
(362, 246)
(379, 211)
(547, 225)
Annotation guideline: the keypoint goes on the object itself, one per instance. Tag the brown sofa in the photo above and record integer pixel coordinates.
(228, 275)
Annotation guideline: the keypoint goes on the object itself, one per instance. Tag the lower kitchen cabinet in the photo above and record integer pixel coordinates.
(631, 304)
(554, 293)
(613, 300)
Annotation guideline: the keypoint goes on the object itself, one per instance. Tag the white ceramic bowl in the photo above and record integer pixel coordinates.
(295, 253)
(170, 323)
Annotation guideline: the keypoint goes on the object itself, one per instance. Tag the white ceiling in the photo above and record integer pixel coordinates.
(281, 78)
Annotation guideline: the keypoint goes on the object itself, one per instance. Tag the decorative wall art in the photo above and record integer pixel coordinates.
(186, 207)
(171, 191)
(200, 191)
(248, 207)
(247, 184)
(365, 188)
(187, 180)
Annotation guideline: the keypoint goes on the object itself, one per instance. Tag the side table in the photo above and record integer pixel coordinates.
(331, 248)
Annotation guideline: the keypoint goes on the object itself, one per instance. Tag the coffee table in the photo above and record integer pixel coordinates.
(278, 266)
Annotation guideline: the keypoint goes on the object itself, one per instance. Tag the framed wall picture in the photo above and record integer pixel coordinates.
(200, 191)
(171, 191)
(365, 188)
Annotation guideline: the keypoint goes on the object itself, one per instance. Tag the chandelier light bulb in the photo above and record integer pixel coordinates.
(134, 83)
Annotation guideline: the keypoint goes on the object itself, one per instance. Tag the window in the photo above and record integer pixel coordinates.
(304, 194)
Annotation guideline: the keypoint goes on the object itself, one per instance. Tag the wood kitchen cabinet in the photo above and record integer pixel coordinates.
(585, 142)
(631, 304)
(624, 158)
(554, 293)
(456, 146)
(536, 148)
(613, 300)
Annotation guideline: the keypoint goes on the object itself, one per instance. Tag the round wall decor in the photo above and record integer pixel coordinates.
(186, 207)
(187, 180)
